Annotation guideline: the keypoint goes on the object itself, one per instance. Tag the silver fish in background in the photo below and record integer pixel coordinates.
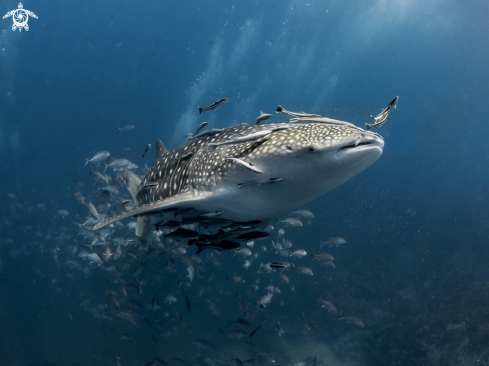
(328, 305)
(303, 214)
(98, 157)
(354, 320)
(214, 105)
(126, 128)
(333, 242)
(384, 114)
(309, 324)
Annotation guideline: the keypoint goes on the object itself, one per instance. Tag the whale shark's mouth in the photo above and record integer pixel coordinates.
(362, 145)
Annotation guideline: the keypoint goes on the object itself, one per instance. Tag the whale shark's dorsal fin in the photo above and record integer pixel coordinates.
(160, 149)
(132, 182)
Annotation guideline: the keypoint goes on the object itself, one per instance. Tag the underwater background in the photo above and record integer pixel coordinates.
(414, 265)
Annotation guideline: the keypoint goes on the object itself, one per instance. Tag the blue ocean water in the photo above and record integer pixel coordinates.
(413, 268)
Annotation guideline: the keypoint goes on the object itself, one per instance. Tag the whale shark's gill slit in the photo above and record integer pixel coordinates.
(351, 146)
(260, 182)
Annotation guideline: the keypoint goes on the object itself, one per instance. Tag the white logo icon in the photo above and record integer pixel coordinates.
(20, 17)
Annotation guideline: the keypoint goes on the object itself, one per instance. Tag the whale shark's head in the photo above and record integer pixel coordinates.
(298, 163)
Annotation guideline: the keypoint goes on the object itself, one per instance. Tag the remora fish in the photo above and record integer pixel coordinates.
(224, 245)
(281, 109)
(148, 147)
(384, 114)
(262, 118)
(249, 137)
(214, 105)
(310, 159)
(201, 126)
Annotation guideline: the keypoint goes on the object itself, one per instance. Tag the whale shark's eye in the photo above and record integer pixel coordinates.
(311, 149)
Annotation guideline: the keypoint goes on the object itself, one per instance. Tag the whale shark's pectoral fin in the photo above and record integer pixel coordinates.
(132, 182)
(182, 200)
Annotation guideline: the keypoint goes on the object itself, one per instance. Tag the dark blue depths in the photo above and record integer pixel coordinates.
(415, 223)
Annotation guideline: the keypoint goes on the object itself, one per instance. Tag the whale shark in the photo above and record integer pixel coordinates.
(239, 178)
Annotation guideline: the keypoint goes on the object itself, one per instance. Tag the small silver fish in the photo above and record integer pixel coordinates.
(237, 279)
(118, 252)
(304, 214)
(292, 222)
(264, 300)
(272, 289)
(243, 252)
(322, 257)
(309, 325)
(328, 264)
(246, 264)
(353, 320)
(328, 305)
(99, 177)
(98, 157)
(235, 334)
(63, 213)
(280, 329)
(287, 244)
(118, 164)
(214, 308)
(304, 270)
(93, 210)
(170, 299)
(125, 128)
(298, 253)
(191, 273)
(333, 242)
